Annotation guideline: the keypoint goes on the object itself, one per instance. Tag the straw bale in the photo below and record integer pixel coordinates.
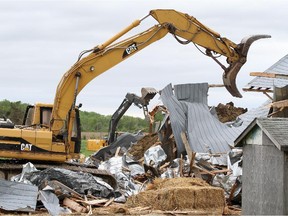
(180, 194)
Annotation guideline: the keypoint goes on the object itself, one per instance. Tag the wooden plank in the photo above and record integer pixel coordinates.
(256, 90)
(269, 75)
(109, 202)
(74, 205)
(215, 85)
(279, 104)
(61, 185)
(186, 145)
(263, 74)
(96, 202)
(268, 95)
(220, 171)
(191, 156)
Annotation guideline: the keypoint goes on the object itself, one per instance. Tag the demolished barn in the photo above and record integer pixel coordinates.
(189, 112)
(154, 174)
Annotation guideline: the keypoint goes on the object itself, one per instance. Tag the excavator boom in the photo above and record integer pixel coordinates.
(183, 27)
(190, 29)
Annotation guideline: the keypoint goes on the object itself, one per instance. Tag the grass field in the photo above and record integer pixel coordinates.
(84, 150)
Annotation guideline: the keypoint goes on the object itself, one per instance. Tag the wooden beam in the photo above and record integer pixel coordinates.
(279, 104)
(257, 90)
(271, 114)
(263, 74)
(186, 145)
(215, 85)
(191, 155)
(268, 95)
(269, 75)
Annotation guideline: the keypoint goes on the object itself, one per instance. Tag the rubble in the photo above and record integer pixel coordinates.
(82, 183)
(24, 195)
(154, 174)
(158, 186)
(228, 112)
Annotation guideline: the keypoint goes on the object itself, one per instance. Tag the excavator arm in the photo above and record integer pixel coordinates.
(183, 27)
(130, 98)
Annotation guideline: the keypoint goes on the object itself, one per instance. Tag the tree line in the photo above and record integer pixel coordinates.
(90, 121)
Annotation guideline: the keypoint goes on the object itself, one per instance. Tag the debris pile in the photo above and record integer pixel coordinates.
(180, 168)
(150, 184)
(228, 112)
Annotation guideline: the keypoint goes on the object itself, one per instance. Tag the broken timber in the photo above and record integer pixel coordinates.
(279, 104)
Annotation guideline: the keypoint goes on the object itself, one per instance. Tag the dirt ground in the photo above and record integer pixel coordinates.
(228, 112)
(176, 196)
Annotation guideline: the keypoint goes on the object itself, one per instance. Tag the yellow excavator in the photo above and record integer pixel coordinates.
(52, 132)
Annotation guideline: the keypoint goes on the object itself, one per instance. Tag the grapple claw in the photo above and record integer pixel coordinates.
(229, 76)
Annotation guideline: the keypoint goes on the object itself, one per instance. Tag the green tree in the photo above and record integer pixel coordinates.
(90, 121)
(12, 110)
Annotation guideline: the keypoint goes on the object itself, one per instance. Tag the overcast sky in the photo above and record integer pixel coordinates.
(41, 40)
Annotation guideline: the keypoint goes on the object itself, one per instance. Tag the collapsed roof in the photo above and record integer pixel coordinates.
(189, 113)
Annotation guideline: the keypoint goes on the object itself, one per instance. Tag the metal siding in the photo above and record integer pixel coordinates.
(190, 113)
(248, 117)
(206, 133)
(15, 196)
(262, 188)
(176, 115)
(193, 93)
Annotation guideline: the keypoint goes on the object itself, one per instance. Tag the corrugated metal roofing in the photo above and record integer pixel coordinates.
(16, 196)
(176, 114)
(264, 83)
(190, 113)
(248, 117)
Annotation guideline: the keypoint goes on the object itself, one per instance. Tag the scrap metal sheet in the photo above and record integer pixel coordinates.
(17, 196)
(176, 115)
(190, 113)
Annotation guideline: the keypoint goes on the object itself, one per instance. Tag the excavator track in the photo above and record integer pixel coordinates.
(9, 168)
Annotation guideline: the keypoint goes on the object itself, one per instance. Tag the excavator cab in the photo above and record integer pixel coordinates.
(39, 116)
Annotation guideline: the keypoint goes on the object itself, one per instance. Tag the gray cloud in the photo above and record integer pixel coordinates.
(41, 40)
